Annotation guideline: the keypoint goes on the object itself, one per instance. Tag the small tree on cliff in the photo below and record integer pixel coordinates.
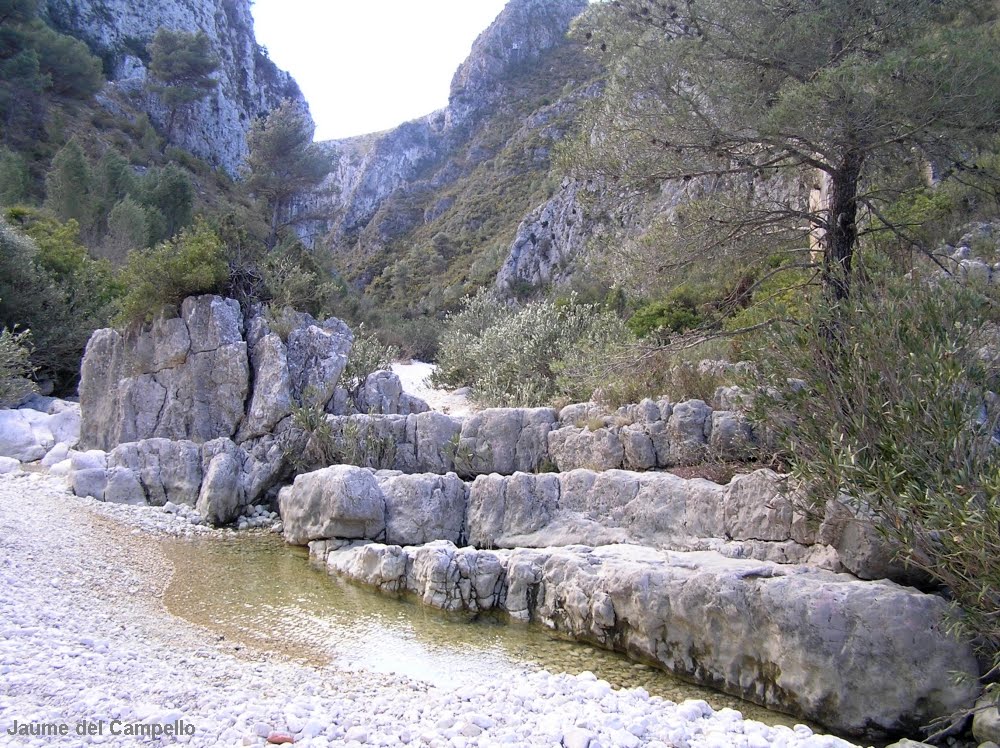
(181, 65)
(727, 95)
(283, 163)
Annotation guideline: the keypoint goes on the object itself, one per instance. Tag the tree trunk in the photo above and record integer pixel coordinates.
(842, 228)
(272, 238)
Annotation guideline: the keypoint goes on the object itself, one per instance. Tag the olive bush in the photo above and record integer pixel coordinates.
(527, 355)
(368, 355)
(15, 367)
(889, 400)
(193, 262)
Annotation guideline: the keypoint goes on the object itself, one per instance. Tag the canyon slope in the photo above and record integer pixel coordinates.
(250, 84)
(423, 214)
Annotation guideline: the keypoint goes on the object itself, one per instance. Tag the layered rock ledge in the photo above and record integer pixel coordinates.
(675, 572)
(860, 657)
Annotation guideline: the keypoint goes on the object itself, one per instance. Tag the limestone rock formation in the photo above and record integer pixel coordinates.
(185, 377)
(348, 502)
(511, 101)
(548, 240)
(250, 85)
(195, 410)
(856, 656)
(520, 35)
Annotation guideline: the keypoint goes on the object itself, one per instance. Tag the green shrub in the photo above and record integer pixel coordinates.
(897, 413)
(128, 229)
(526, 355)
(14, 177)
(15, 367)
(660, 316)
(292, 277)
(417, 338)
(679, 311)
(368, 354)
(194, 262)
(51, 286)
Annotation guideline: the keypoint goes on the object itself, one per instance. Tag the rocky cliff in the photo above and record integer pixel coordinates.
(426, 212)
(249, 83)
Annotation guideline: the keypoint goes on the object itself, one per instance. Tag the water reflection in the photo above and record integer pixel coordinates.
(259, 592)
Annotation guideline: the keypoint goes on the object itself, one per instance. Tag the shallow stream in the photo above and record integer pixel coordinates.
(259, 592)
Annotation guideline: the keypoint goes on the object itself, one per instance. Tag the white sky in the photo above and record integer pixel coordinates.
(369, 65)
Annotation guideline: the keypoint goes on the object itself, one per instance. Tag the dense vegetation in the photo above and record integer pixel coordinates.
(444, 243)
(106, 223)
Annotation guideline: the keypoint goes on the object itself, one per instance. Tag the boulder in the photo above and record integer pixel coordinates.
(571, 448)
(433, 436)
(9, 465)
(584, 507)
(220, 498)
(732, 437)
(422, 508)
(756, 507)
(90, 482)
(862, 549)
(264, 462)
(57, 454)
(342, 501)
(640, 453)
(505, 440)
(382, 392)
(20, 439)
(123, 487)
(986, 721)
(317, 354)
(167, 470)
(380, 566)
(197, 377)
(91, 459)
(688, 429)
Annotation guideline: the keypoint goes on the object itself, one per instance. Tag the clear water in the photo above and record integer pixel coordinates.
(260, 593)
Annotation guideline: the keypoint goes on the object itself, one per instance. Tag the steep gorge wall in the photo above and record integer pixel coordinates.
(471, 171)
(250, 85)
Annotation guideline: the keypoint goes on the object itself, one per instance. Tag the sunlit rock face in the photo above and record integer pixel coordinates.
(520, 35)
(250, 85)
(514, 89)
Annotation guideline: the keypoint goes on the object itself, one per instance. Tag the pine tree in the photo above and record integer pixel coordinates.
(69, 186)
(181, 64)
(284, 162)
(732, 94)
(128, 229)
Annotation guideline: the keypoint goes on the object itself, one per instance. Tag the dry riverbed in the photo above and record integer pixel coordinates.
(86, 642)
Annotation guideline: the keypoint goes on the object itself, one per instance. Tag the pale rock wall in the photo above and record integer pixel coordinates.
(250, 85)
(860, 657)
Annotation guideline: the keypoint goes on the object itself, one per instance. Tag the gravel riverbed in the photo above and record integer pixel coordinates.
(86, 642)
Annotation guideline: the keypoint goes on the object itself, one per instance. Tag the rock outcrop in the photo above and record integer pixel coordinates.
(195, 410)
(511, 101)
(520, 36)
(250, 85)
(548, 241)
(863, 658)
(184, 377)
(206, 374)
(43, 425)
(344, 501)
(730, 585)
